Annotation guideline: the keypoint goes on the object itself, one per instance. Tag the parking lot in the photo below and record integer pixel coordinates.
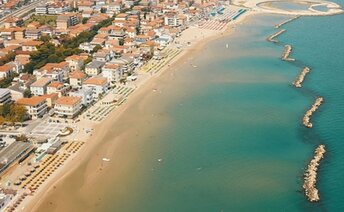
(47, 129)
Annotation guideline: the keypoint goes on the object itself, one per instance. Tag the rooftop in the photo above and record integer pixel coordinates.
(55, 84)
(41, 82)
(77, 75)
(32, 43)
(33, 101)
(96, 81)
(68, 100)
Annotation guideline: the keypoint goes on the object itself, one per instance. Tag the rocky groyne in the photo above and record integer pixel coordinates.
(307, 117)
(298, 82)
(272, 37)
(310, 175)
(286, 21)
(287, 52)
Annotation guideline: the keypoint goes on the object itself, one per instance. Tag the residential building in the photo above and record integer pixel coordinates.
(32, 33)
(39, 87)
(75, 62)
(5, 96)
(56, 71)
(64, 21)
(113, 72)
(76, 78)
(87, 47)
(36, 106)
(57, 87)
(68, 106)
(171, 19)
(102, 55)
(127, 63)
(31, 45)
(6, 71)
(13, 22)
(117, 33)
(41, 9)
(86, 95)
(94, 68)
(99, 85)
(51, 99)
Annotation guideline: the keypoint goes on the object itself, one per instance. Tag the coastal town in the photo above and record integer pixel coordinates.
(65, 65)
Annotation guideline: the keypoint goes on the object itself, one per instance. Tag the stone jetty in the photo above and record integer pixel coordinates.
(286, 21)
(286, 53)
(298, 82)
(272, 37)
(307, 117)
(310, 175)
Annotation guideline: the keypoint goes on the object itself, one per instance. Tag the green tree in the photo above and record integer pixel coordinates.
(84, 20)
(45, 38)
(53, 58)
(27, 93)
(17, 113)
(7, 58)
(121, 42)
(97, 48)
(5, 110)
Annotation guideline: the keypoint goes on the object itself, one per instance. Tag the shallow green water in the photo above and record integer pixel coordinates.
(231, 138)
(235, 142)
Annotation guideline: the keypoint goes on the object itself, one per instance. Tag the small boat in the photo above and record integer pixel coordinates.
(227, 46)
(194, 66)
(106, 159)
(160, 160)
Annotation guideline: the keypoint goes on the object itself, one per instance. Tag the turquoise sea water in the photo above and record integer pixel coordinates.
(231, 137)
(235, 140)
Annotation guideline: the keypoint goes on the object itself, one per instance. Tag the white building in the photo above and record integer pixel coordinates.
(113, 72)
(94, 68)
(36, 106)
(86, 95)
(75, 62)
(99, 86)
(76, 78)
(5, 96)
(57, 87)
(39, 87)
(68, 106)
(41, 10)
(87, 47)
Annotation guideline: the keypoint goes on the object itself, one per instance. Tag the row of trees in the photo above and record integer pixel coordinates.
(49, 53)
(7, 58)
(12, 113)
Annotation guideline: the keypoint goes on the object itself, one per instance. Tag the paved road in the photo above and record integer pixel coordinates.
(21, 11)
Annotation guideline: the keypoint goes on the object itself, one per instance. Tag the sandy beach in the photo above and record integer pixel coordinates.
(85, 173)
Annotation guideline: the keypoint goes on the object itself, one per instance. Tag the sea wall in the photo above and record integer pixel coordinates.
(310, 175)
(286, 21)
(272, 37)
(298, 82)
(307, 117)
(287, 52)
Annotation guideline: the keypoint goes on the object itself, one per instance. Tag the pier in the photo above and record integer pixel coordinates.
(272, 37)
(286, 21)
(286, 53)
(307, 117)
(298, 82)
(310, 175)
